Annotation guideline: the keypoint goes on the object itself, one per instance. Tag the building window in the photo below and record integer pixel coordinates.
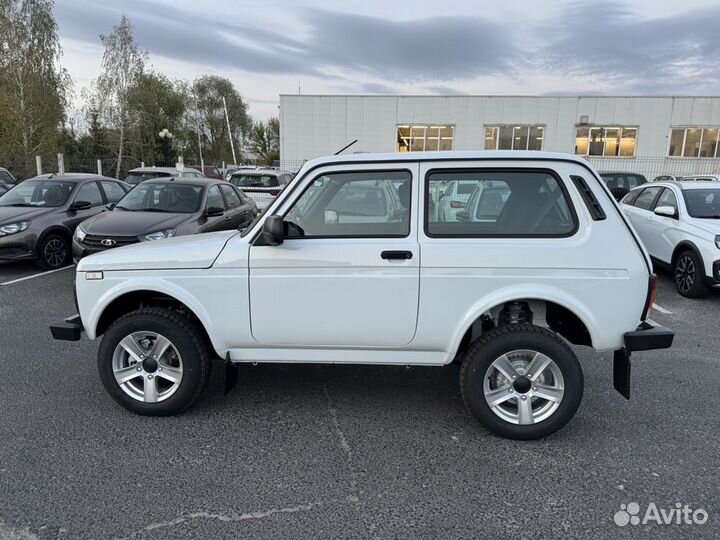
(605, 141)
(694, 142)
(424, 138)
(514, 137)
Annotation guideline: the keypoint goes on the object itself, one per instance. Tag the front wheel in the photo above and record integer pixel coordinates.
(521, 381)
(154, 361)
(53, 252)
(688, 272)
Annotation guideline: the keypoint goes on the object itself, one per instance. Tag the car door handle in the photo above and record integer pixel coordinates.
(396, 255)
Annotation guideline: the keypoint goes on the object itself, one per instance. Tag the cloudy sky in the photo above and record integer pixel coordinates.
(612, 47)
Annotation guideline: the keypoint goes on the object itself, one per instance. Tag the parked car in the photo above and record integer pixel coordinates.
(38, 216)
(667, 178)
(487, 201)
(702, 178)
(7, 180)
(209, 171)
(235, 168)
(453, 198)
(163, 208)
(261, 185)
(620, 183)
(315, 281)
(135, 176)
(679, 223)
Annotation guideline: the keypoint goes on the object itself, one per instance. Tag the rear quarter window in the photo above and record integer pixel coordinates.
(504, 203)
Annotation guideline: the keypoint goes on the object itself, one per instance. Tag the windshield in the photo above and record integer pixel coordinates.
(255, 180)
(137, 177)
(6, 178)
(41, 193)
(171, 197)
(701, 203)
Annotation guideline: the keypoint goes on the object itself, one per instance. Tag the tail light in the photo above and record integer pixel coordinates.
(457, 204)
(652, 289)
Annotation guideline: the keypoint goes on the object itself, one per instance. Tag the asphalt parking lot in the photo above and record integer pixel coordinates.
(345, 451)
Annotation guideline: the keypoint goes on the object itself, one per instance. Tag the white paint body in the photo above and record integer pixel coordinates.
(662, 234)
(337, 300)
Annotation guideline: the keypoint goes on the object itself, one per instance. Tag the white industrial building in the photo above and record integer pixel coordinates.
(651, 135)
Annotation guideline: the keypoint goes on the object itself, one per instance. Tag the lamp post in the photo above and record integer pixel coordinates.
(166, 144)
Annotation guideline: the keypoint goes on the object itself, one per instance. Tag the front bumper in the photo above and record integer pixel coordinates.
(645, 338)
(18, 246)
(70, 329)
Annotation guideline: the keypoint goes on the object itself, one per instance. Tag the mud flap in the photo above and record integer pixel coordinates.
(621, 372)
(231, 374)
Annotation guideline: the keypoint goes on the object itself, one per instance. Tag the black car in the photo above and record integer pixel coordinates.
(621, 183)
(166, 207)
(38, 216)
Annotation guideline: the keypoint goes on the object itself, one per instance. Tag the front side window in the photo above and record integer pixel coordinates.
(231, 197)
(502, 204)
(168, 197)
(667, 199)
(113, 191)
(90, 192)
(358, 204)
(605, 141)
(45, 193)
(6, 178)
(694, 142)
(514, 137)
(214, 198)
(425, 137)
(646, 198)
(702, 203)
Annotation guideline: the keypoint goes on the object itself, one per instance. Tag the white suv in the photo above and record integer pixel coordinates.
(679, 223)
(317, 279)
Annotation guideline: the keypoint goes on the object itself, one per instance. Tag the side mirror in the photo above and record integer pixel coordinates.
(666, 211)
(214, 211)
(273, 230)
(463, 215)
(80, 205)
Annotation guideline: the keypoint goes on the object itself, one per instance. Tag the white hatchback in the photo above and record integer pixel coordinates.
(679, 223)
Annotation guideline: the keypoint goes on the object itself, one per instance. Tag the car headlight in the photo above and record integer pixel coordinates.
(13, 228)
(80, 234)
(717, 241)
(159, 235)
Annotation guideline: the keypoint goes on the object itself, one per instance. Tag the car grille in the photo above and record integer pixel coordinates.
(96, 241)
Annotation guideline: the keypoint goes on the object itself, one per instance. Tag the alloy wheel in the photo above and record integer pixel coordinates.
(685, 273)
(55, 253)
(524, 387)
(147, 366)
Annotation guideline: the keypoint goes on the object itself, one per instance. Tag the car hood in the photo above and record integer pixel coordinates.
(711, 226)
(179, 253)
(12, 214)
(124, 223)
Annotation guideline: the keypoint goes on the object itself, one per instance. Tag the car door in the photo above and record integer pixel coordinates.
(661, 230)
(348, 271)
(214, 199)
(234, 217)
(641, 214)
(87, 192)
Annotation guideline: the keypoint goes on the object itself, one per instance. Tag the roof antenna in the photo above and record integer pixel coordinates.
(345, 148)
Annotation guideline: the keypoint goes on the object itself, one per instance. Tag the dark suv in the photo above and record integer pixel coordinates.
(38, 216)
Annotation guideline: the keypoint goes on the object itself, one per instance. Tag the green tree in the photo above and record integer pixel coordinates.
(123, 65)
(265, 140)
(33, 88)
(209, 91)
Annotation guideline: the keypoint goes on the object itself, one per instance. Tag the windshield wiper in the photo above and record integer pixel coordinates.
(19, 204)
(157, 210)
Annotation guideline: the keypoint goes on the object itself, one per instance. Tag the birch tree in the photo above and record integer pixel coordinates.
(123, 64)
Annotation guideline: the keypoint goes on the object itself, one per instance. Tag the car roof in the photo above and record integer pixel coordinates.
(172, 170)
(74, 177)
(260, 171)
(187, 180)
(616, 173)
(684, 185)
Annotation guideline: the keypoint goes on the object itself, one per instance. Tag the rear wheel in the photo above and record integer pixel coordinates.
(688, 273)
(521, 381)
(154, 361)
(53, 252)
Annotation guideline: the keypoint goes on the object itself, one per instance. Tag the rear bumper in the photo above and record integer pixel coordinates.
(70, 329)
(645, 338)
